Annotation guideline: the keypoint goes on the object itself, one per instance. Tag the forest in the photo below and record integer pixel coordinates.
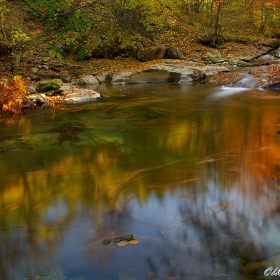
(64, 27)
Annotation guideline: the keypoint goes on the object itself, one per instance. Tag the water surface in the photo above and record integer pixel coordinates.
(195, 167)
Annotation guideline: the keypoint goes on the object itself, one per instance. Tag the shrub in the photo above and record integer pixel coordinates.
(14, 95)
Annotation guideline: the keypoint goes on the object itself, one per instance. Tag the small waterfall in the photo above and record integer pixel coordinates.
(246, 83)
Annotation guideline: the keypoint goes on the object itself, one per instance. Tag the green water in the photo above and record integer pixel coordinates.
(194, 167)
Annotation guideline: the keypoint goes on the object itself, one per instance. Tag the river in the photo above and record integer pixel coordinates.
(192, 167)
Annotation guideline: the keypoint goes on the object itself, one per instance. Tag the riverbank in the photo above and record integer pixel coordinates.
(196, 65)
(38, 66)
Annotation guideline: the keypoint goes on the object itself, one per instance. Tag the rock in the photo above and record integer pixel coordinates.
(166, 73)
(246, 59)
(104, 78)
(277, 53)
(174, 54)
(157, 51)
(74, 94)
(45, 86)
(59, 48)
(274, 44)
(34, 70)
(97, 53)
(146, 76)
(95, 40)
(139, 46)
(275, 87)
(88, 80)
(37, 98)
(106, 261)
(211, 70)
(213, 57)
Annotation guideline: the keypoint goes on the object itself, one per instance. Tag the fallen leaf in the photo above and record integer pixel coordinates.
(133, 242)
(122, 243)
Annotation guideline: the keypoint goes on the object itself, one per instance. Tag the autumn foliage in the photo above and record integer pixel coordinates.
(14, 95)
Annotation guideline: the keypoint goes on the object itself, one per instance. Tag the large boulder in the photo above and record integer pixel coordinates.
(166, 73)
(49, 85)
(174, 54)
(147, 51)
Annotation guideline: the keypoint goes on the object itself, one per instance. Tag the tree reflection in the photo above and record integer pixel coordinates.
(224, 153)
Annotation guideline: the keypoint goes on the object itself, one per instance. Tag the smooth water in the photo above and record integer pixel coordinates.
(194, 168)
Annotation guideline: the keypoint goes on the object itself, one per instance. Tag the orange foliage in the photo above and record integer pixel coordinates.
(14, 95)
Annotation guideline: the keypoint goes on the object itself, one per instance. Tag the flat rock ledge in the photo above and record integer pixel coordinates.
(166, 73)
(75, 94)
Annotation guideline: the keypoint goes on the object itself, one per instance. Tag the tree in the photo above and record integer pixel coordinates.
(263, 16)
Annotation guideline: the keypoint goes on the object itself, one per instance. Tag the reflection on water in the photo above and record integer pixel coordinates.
(193, 178)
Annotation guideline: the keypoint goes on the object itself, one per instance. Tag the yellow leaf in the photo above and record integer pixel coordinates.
(133, 242)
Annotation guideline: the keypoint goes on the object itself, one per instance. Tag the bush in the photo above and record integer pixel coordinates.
(59, 16)
(14, 95)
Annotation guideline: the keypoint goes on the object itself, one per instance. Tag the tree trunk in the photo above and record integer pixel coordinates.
(217, 19)
(251, 12)
(263, 17)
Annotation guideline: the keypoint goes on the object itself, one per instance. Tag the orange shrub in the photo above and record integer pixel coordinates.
(14, 95)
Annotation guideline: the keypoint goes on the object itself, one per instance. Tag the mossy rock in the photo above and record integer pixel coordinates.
(50, 85)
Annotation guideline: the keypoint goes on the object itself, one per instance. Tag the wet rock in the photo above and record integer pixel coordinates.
(88, 80)
(274, 87)
(105, 78)
(212, 69)
(74, 94)
(118, 239)
(146, 76)
(165, 73)
(277, 53)
(45, 86)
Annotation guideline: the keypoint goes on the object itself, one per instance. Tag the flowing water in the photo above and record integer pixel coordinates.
(192, 171)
